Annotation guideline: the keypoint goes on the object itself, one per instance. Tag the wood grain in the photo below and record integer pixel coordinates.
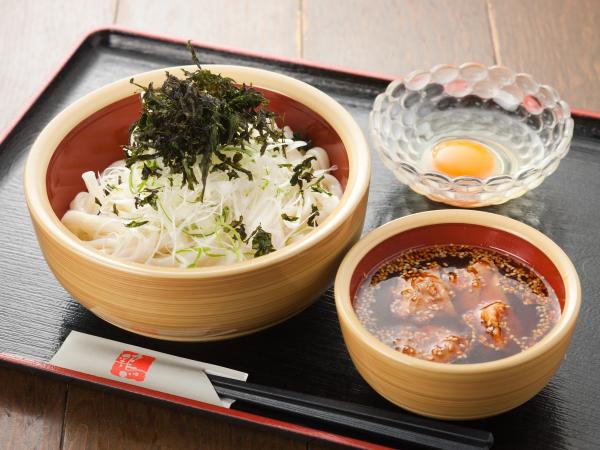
(557, 41)
(258, 25)
(396, 37)
(35, 37)
(31, 410)
(97, 419)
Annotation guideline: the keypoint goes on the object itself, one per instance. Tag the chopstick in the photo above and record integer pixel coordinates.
(400, 427)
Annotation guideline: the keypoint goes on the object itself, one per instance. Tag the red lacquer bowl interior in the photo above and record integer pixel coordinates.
(96, 142)
(460, 234)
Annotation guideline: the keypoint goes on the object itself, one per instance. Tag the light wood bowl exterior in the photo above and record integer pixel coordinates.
(205, 303)
(461, 391)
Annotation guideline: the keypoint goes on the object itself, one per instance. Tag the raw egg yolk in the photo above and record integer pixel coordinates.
(463, 158)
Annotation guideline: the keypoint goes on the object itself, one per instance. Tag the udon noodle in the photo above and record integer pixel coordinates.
(237, 218)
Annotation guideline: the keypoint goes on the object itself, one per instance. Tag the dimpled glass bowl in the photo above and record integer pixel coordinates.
(526, 124)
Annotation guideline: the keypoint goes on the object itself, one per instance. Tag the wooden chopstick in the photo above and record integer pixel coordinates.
(399, 427)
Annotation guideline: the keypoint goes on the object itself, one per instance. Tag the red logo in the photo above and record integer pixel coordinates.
(131, 365)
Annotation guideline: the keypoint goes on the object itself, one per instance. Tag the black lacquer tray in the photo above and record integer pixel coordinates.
(305, 354)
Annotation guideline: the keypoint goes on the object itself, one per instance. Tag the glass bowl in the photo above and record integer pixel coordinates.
(525, 124)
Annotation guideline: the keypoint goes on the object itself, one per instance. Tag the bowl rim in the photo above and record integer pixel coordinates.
(317, 101)
(558, 257)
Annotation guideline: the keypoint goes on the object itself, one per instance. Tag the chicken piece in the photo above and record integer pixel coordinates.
(463, 279)
(464, 283)
(451, 347)
(432, 343)
(489, 281)
(483, 278)
(492, 316)
(421, 296)
(492, 291)
(493, 324)
(407, 350)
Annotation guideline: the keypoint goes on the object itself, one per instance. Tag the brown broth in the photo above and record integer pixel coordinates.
(456, 304)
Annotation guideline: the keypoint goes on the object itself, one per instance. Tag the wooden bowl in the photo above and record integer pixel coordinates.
(199, 304)
(457, 391)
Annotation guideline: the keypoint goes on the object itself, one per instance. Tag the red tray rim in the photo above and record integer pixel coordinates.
(144, 392)
(242, 416)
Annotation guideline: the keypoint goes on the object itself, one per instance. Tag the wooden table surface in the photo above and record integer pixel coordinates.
(558, 41)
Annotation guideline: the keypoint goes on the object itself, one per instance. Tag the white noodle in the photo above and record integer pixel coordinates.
(186, 232)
